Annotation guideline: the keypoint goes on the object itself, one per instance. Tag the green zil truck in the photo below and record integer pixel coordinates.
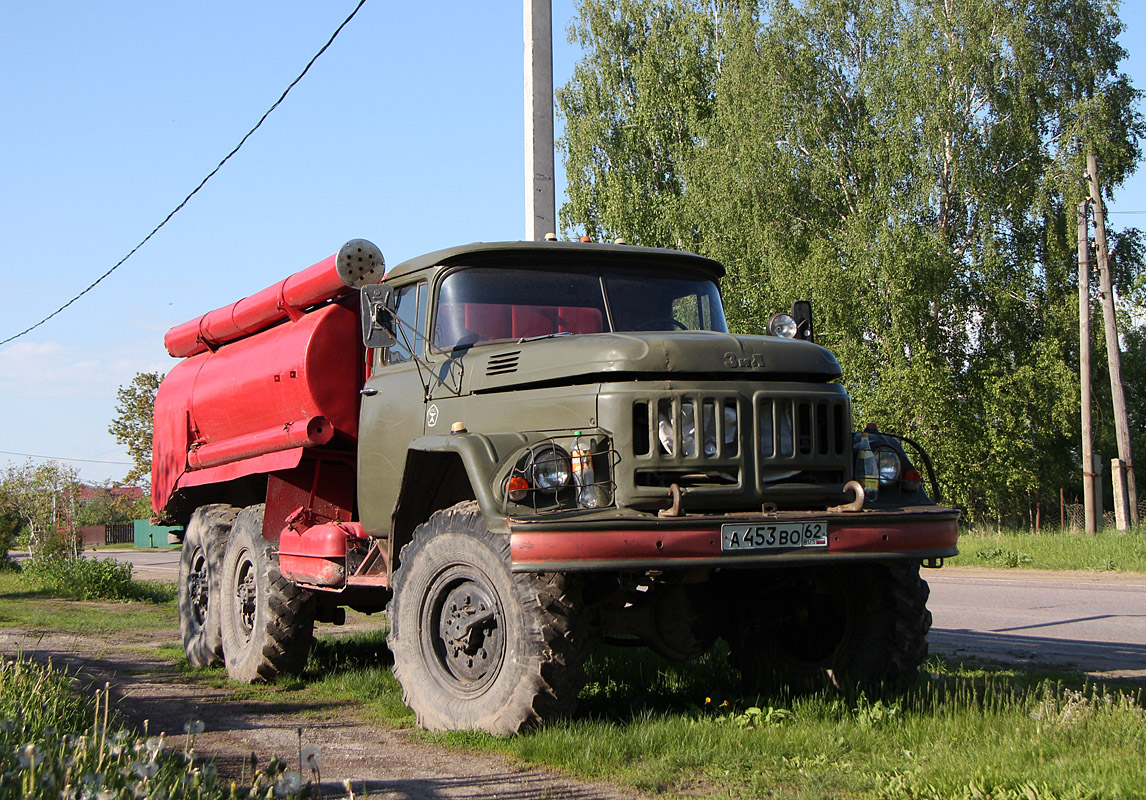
(519, 449)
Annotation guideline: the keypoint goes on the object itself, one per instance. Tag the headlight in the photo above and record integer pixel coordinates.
(548, 467)
(888, 466)
(783, 326)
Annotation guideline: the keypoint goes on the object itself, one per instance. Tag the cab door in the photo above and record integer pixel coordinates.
(393, 410)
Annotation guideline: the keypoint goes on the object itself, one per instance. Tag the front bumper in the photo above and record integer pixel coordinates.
(917, 533)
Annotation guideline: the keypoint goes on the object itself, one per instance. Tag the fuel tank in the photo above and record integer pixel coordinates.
(291, 386)
(264, 377)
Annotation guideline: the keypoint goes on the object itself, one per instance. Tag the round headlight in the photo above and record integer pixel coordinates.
(888, 463)
(550, 467)
(783, 326)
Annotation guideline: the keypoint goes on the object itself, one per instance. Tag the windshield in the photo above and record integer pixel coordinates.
(483, 304)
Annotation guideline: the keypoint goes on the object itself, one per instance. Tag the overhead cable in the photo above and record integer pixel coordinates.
(202, 183)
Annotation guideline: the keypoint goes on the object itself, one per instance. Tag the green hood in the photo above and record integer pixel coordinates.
(676, 356)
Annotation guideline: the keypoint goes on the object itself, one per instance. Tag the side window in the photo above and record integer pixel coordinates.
(411, 306)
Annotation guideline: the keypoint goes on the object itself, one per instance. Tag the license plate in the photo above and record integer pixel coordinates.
(773, 535)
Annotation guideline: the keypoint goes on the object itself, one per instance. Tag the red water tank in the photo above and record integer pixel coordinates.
(291, 386)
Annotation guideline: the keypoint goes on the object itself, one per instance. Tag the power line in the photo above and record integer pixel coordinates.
(61, 458)
(202, 183)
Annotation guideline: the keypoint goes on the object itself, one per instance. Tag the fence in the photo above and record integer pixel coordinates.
(119, 534)
(1075, 514)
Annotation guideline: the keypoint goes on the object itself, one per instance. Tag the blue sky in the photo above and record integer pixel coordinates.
(407, 132)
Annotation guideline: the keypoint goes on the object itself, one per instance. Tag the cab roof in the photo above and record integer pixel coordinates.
(555, 253)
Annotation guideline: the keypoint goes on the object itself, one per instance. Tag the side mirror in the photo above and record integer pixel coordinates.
(802, 314)
(379, 324)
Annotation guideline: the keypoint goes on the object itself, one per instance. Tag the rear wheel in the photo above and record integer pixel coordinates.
(856, 627)
(200, 574)
(267, 621)
(476, 646)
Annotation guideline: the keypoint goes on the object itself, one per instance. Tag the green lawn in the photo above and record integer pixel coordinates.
(964, 731)
(1106, 551)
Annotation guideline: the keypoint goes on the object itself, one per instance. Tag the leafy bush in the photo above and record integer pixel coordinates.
(81, 579)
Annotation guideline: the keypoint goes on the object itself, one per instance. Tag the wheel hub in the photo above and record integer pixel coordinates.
(197, 587)
(470, 641)
(246, 595)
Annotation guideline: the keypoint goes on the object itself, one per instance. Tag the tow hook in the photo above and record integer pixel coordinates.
(854, 505)
(674, 510)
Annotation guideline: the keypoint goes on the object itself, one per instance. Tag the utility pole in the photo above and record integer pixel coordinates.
(1124, 472)
(1084, 369)
(540, 203)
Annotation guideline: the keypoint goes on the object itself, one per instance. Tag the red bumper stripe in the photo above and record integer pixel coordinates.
(539, 547)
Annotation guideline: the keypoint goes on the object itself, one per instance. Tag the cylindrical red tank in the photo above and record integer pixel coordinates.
(358, 262)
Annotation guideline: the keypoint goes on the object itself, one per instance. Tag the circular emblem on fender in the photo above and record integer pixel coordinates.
(432, 416)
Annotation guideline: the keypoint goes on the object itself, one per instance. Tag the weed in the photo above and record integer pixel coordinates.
(57, 744)
(1000, 557)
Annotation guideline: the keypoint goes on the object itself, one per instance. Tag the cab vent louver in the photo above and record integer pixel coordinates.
(503, 364)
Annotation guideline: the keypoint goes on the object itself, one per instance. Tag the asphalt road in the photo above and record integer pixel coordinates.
(1091, 622)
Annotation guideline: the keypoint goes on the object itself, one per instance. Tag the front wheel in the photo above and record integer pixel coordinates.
(853, 627)
(476, 646)
(267, 621)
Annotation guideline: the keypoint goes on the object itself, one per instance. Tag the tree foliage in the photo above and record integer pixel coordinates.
(132, 426)
(912, 167)
(42, 497)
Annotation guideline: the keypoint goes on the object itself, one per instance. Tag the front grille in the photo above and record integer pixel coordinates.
(789, 428)
(794, 442)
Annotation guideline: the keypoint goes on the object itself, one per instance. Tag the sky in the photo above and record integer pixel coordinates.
(408, 132)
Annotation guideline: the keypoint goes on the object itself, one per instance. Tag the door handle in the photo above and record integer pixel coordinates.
(368, 392)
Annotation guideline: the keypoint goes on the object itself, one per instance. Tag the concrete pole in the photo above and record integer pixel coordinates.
(1084, 370)
(1113, 353)
(540, 203)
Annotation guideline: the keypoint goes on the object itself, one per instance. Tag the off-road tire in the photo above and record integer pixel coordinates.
(519, 661)
(857, 628)
(200, 576)
(267, 621)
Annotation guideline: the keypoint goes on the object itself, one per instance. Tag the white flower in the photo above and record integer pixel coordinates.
(28, 755)
(309, 757)
(194, 727)
(145, 769)
(288, 783)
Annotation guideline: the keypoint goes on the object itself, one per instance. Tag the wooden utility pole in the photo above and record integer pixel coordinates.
(540, 202)
(1113, 353)
(1084, 369)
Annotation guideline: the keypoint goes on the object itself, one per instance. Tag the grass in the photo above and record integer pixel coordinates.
(1106, 551)
(56, 743)
(668, 728)
(673, 728)
(964, 731)
(26, 605)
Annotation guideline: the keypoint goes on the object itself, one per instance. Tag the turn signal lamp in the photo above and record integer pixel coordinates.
(516, 487)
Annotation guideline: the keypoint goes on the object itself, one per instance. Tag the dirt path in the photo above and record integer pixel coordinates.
(383, 763)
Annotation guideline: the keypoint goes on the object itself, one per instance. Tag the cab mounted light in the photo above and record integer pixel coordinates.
(783, 326)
